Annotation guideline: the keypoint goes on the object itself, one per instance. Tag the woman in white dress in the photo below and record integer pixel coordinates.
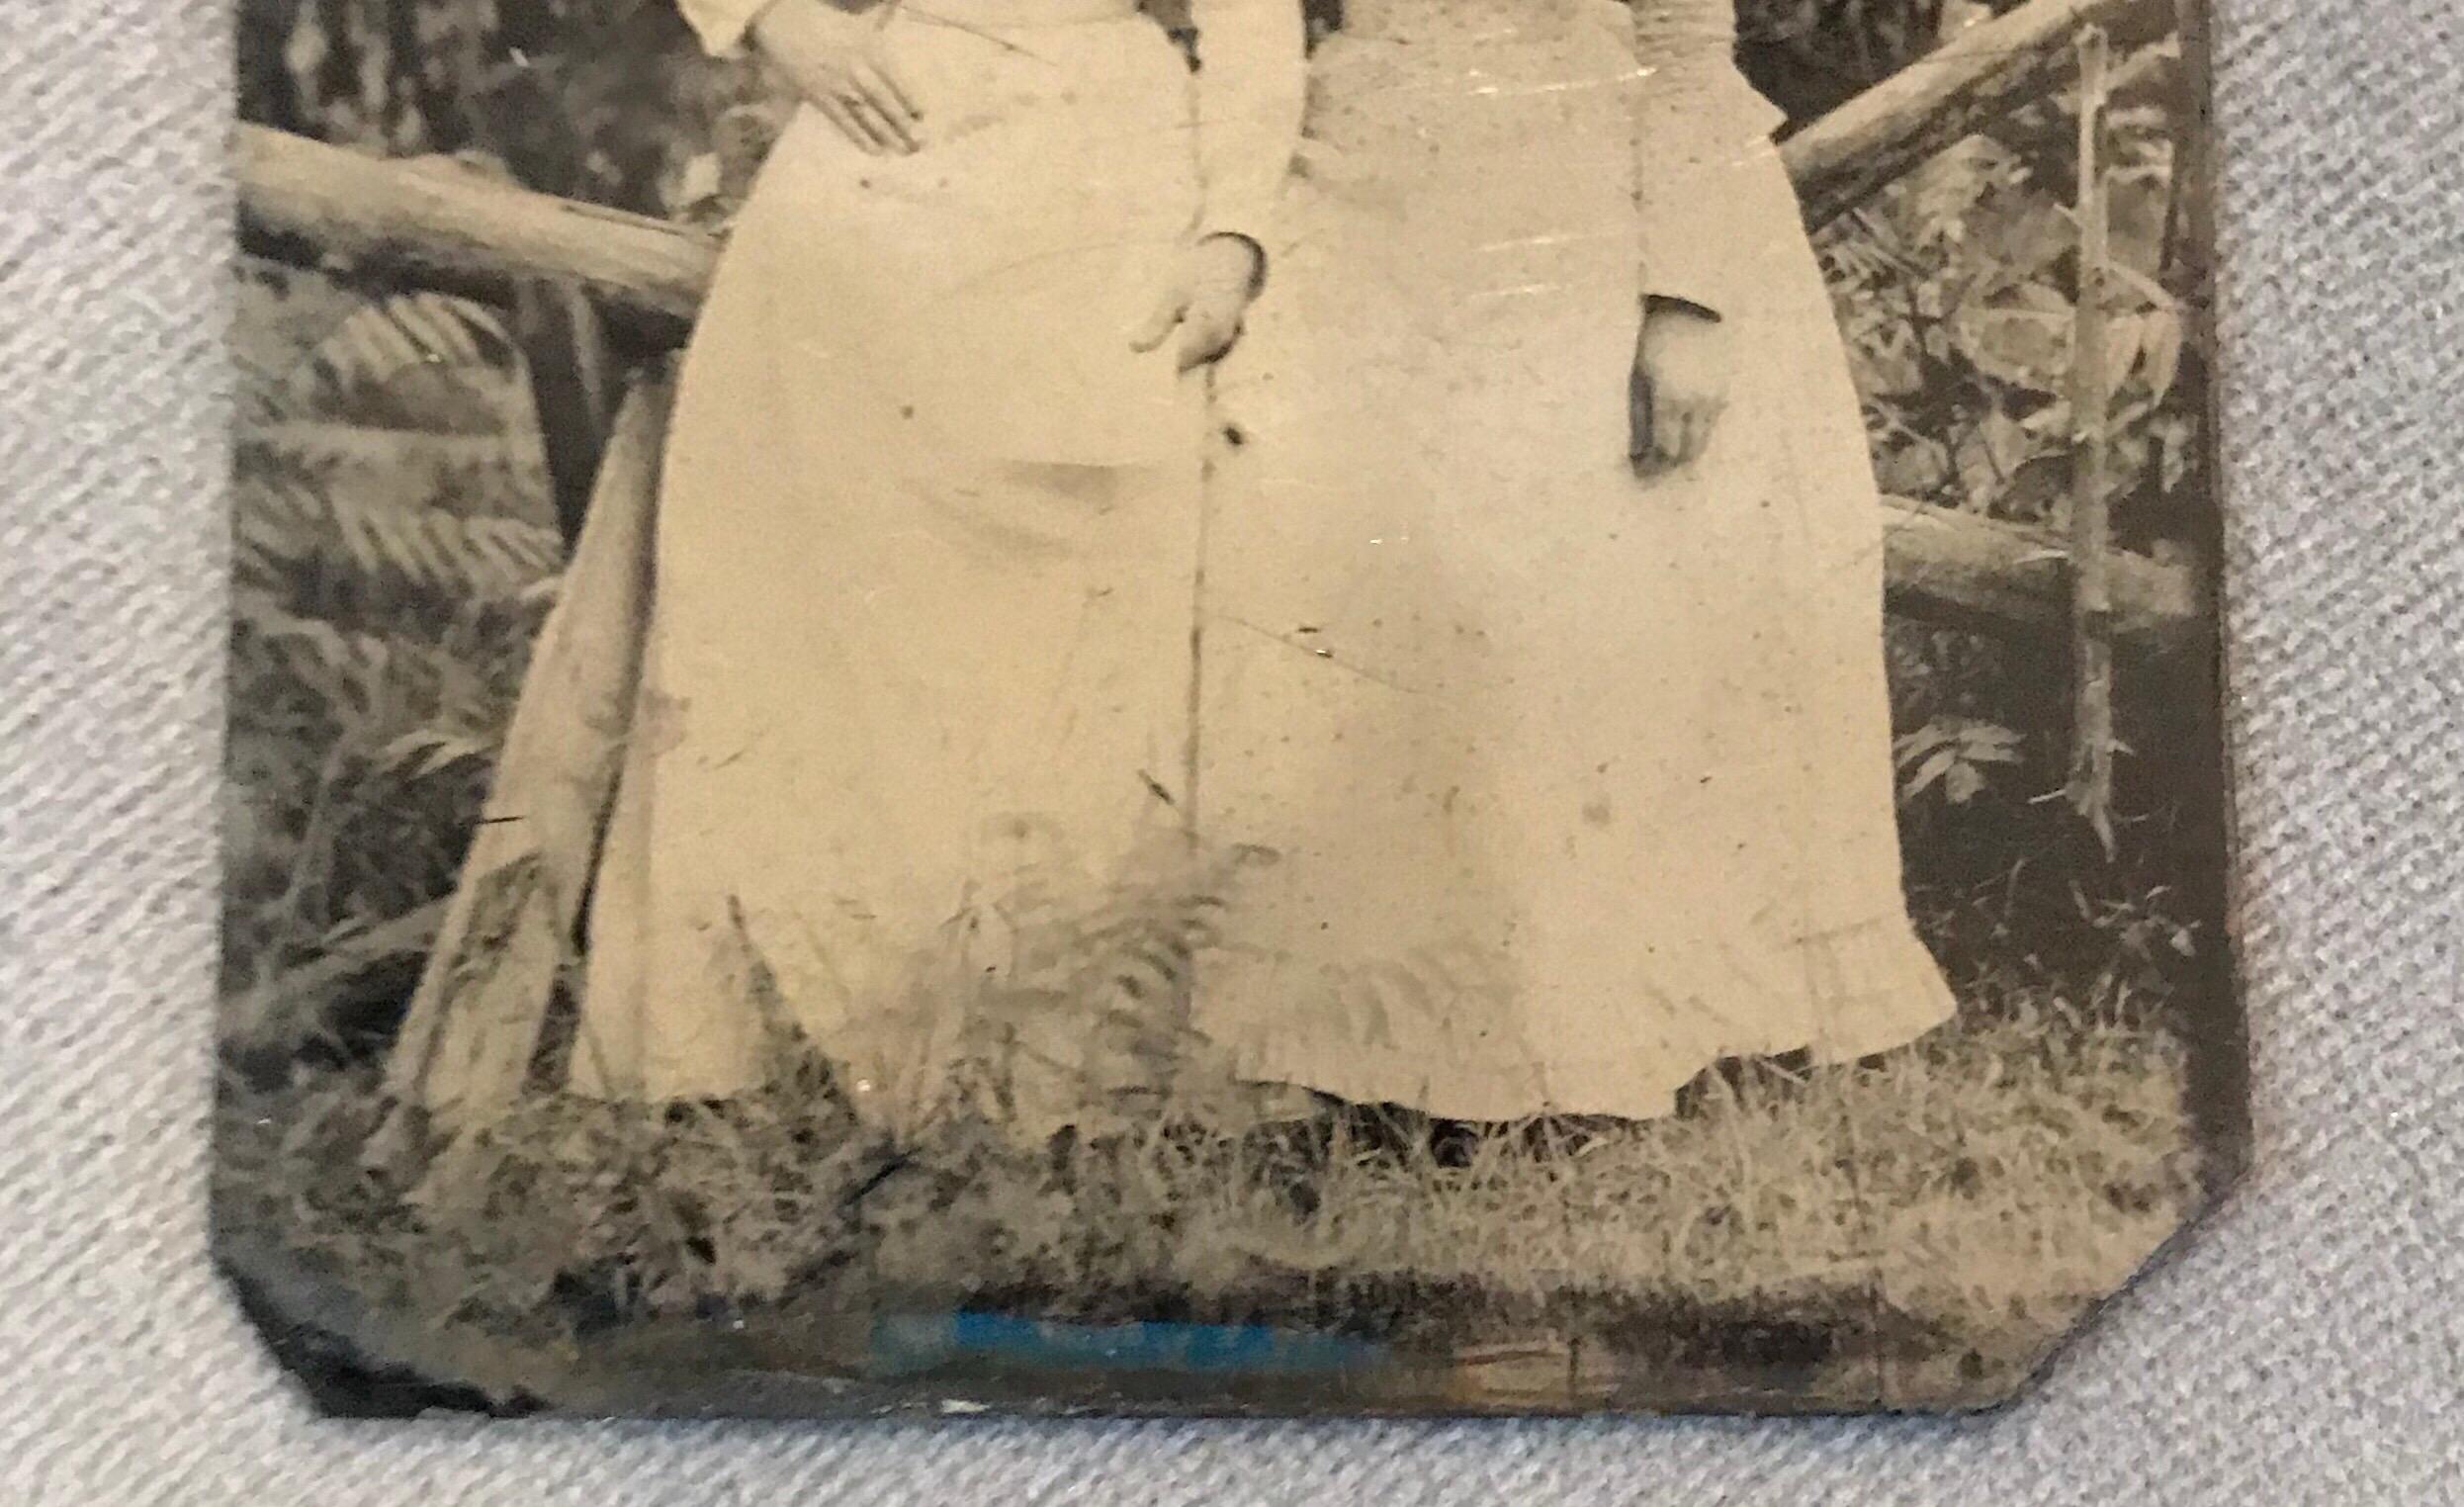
(1564, 717)
(926, 527)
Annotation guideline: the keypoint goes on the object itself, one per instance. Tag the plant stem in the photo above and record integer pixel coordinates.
(2091, 595)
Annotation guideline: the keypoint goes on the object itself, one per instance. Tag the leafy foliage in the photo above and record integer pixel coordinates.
(384, 602)
(1082, 1021)
(1956, 291)
(1954, 756)
(337, 557)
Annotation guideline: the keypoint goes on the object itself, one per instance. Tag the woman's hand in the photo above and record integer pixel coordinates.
(1209, 291)
(833, 57)
(1682, 365)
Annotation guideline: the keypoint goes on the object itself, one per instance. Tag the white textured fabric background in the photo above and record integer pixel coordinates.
(2309, 1348)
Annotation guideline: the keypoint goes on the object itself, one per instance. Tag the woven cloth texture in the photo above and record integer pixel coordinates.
(2306, 1349)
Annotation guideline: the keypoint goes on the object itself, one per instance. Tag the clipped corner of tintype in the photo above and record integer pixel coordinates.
(1353, 707)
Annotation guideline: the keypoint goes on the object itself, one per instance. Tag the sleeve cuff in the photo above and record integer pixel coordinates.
(1652, 303)
(1258, 275)
(1699, 130)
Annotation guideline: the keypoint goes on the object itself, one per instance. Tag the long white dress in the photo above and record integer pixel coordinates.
(1574, 783)
(919, 655)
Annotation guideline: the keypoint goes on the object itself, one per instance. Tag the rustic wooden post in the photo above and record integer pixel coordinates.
(566, 347)
(2091, 587)
(476, 1019)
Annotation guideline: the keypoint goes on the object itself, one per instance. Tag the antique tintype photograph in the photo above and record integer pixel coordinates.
(1237, 706)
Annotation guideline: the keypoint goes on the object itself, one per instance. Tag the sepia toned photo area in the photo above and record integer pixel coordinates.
(1404, 706)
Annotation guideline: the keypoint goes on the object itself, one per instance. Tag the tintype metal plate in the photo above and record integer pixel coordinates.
(1426, 706)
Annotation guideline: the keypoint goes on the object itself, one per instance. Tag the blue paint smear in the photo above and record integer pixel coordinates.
(907, 1342)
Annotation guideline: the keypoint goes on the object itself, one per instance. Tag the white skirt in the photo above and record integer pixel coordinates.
(1574, 783)
(921, 635)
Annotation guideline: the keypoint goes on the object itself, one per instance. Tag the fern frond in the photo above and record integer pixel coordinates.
(412, 329)
(391, 681)
(493, 475)
(416, 361)
(317, 546)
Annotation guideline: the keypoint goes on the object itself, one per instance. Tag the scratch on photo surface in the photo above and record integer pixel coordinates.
(1318, 652)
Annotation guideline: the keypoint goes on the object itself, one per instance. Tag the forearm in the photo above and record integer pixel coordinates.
(1250, 86)
(1696, 124)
